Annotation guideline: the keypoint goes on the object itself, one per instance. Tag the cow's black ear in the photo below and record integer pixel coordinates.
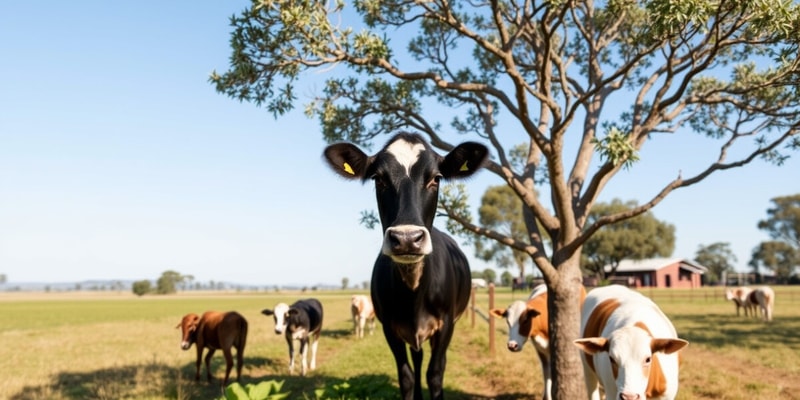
(346, 160)
(464, 160)
(266, 311)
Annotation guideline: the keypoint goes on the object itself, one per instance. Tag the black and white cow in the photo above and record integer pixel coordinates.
(421, 279)
(303, 322)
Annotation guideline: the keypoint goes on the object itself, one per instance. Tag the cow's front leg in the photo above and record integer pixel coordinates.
(436, 365)
(405, 375)
(291, 352)
(314, 352)
(548, 380)
(198, 363)
(208, 363)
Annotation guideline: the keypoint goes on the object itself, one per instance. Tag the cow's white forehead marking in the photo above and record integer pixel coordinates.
(406, 153)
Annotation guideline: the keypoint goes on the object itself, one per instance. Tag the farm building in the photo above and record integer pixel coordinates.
(659, 273)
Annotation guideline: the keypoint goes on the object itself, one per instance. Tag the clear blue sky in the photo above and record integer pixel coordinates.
(118, 160)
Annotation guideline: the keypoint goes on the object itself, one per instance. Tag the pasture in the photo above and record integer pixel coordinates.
(114, 346)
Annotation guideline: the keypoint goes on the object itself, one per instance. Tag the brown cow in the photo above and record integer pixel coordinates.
(215, 330)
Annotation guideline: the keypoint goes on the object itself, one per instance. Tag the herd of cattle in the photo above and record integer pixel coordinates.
(421, 285)
(630, 346)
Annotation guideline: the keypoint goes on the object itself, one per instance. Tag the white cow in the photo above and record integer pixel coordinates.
(740, 296)
(630, 346)
(763, 298)
(363, 312)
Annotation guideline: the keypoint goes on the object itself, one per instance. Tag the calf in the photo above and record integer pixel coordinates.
(763, 299)
(630, 346)
(362, 311)
(529, 320)
(421, 279)
(215, 331)
(740, 296)
(303, 322)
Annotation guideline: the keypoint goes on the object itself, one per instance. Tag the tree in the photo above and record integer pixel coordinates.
(501, 210)
(782, 254)
(576, 89)
(141, 288)
(635, 238)
(718, 258)
(776, 256)
(168, 282)
(506, 278)
(3, 279)
(345, 283)
(489, 275)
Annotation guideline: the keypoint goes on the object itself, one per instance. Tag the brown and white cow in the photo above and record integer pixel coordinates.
(631, 347)
(528, 320)
(740, 297)
(363, 313)
(421, 278)
(762, 299)
(215, 331)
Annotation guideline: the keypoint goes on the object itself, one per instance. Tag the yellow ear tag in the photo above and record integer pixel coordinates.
(348, 169)
(464, 167)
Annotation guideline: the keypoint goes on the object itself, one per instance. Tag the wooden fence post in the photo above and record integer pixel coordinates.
(472, 299)
(491, 320)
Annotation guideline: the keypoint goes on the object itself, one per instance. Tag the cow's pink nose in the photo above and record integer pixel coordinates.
(629, 396)
(406, 241)
(513, 346)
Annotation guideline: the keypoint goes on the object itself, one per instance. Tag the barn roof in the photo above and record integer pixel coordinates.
(655, 264)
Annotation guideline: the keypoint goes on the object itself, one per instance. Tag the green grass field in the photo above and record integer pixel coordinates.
(117, 346)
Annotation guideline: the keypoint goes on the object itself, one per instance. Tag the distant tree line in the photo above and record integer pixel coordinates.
(640, 238)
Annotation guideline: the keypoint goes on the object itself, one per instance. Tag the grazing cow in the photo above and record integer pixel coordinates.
(421, 279)
(529, 320)
(762, 298)
(630, 346)
(302, 321)
(739, 296)
(215, 331)
(362, 311)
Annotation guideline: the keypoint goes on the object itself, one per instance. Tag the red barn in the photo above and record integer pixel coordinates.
(659, 273)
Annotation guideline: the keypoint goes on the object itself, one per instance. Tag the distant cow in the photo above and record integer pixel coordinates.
(421, 279)
(303, 322)
(363, 313)
(528, 319)
(630, 346)
(763, 299)
(739, 296)
(215, 331)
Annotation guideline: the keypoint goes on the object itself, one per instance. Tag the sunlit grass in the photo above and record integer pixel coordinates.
(126, 347)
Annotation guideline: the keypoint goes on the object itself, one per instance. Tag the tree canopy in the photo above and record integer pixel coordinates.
(718, 258)
(566, 93)
(781, 255)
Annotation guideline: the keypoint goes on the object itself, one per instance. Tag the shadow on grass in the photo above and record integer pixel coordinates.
(730, 330)
(162, 381)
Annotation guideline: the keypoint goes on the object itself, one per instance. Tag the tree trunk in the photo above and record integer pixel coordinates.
(563, 300)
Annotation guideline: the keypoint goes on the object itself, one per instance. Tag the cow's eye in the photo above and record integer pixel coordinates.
(647, 360)
(434, 182)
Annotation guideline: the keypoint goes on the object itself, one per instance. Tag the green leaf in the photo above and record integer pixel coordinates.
(235, 391)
